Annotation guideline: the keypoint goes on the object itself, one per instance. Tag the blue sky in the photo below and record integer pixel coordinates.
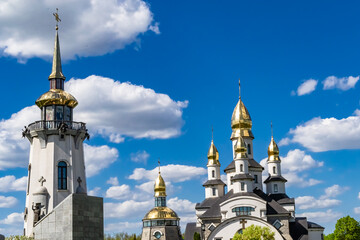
(153, 77)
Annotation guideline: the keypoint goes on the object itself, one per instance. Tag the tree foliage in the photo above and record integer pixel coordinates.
(197, 236)
(122, 236)
(347, 228)
(255, 233)
(18, 238)
(330, 236)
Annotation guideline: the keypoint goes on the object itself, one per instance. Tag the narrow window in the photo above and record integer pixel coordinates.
(242, 186)
(241, 168)
(256, 178)
(249, 148)
(29, 175)
(213, 173)
(274, 170)
(62, 176)
(275, 188)
(214, 191)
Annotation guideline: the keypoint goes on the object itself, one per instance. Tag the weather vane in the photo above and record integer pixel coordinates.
(57, 18)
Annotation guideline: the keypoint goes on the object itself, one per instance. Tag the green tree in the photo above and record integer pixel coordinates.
(197, 236)
(255, 233)
(18, 238)
(347, 228)
(330, 236)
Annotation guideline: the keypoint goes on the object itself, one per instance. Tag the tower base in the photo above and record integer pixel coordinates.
(77, 217)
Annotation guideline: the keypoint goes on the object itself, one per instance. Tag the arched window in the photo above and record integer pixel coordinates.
(241, 168)
(274, 170)
(62, 176)
(249, 148)
(213, 173)
(276, 188)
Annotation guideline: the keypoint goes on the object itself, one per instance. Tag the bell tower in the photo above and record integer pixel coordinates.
(56, 162)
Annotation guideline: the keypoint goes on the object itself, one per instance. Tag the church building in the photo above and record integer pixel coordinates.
(222, 214)
(161, 222)
(57, 205)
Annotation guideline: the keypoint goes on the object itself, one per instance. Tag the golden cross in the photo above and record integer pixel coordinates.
(243, 221)
(212, 133)
(159, 165)
(57, 19)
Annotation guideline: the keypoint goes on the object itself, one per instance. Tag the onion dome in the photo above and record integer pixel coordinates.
(160, 188)
(241, 123)
(56, 97)
(213, 155)
(273, 151)
(240, 148)
(161, 213)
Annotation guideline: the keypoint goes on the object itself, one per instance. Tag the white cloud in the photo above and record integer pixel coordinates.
(344, 83)
(334, 191)
(171, 173)
(118, 192)
(113, 181)
(357, 210)
(98, 158)
(125, 109)
(293, 167)
(127, 209)
(10, 183)
(321, 216)
(359, 195)
(13, 218)
(307, 87)
(88, 28)
(181, 206)
(357, 112)
(94, 192)
(124, 226)
(319, 135)
(14, 150)
(140, 156)
(308, 202)
(7, 202)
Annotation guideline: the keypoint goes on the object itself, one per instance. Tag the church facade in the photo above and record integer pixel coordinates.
(222, 214)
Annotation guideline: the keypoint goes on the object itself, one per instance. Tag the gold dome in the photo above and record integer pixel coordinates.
(245, 121)
(160, 188)
(240, 148)
(273, 151)
(213, 155)
(58, 97)
(241, 127)
(161, 213)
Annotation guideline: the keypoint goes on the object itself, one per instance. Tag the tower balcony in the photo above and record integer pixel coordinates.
(56, 125)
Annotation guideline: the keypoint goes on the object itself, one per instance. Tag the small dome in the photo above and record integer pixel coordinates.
(273, 151)
(161, 213)
(213, 155)
(160, 187)
(41, 191)
(56, 97)
(240, 148)
(245, 121)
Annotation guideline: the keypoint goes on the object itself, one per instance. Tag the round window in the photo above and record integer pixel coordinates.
(157, 235)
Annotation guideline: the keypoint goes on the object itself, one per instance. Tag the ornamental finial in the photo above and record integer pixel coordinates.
(57, 18)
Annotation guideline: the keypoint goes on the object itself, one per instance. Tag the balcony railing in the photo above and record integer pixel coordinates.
(53, 125)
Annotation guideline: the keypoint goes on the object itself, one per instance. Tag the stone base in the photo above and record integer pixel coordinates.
(77, 217)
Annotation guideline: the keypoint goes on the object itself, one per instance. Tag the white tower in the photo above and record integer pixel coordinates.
(56, 162)
(214, 186)
(275, 183)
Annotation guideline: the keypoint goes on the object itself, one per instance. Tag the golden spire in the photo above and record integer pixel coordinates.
(241, 121)
(56, 72)
(273, 149)
(213, 154)
(160, 187)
